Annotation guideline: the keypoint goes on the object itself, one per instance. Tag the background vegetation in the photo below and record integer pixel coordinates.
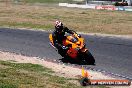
(84, 20)
(47, 1)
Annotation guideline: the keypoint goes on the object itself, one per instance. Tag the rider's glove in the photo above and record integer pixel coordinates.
(64, 47)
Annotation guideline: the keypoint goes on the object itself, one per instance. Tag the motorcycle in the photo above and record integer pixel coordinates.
(77, 50)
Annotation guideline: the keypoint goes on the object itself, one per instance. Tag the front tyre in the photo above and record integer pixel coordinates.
(89, 59)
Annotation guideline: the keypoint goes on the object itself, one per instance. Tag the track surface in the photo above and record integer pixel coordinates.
(111, 54)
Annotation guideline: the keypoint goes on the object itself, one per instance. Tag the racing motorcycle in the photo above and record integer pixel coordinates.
(77, 50)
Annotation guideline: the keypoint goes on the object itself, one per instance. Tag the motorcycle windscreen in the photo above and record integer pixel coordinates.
(73, 39)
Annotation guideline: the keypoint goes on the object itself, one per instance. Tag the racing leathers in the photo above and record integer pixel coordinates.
(58, 38)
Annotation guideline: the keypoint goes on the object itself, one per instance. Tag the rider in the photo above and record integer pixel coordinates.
(59, 36)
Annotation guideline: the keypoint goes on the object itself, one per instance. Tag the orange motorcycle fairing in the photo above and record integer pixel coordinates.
(72, 53)
(51, 39)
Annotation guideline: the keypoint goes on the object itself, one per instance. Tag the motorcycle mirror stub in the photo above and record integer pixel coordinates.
(79, 35)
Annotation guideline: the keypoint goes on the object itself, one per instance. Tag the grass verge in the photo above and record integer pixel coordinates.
(27, 75)
(23, 75)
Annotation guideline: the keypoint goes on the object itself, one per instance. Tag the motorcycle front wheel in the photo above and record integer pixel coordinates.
(88, 57)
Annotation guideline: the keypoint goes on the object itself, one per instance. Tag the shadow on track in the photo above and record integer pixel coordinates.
(71, 61)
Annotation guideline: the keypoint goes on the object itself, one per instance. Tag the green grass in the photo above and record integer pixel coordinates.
(27, 75)
(2, 85)
(21, 75)
(26, 66)
(25, 25)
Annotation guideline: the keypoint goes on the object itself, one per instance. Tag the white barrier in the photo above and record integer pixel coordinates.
(72, 5)
(77, 6)
(63, 4)
(94, 6)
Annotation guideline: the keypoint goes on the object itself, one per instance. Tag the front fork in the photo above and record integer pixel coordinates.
(81, 53)
(83, 50)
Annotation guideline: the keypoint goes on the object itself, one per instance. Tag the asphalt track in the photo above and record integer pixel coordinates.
(111, 54)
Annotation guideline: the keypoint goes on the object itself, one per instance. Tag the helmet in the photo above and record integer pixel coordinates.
(59, 26)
